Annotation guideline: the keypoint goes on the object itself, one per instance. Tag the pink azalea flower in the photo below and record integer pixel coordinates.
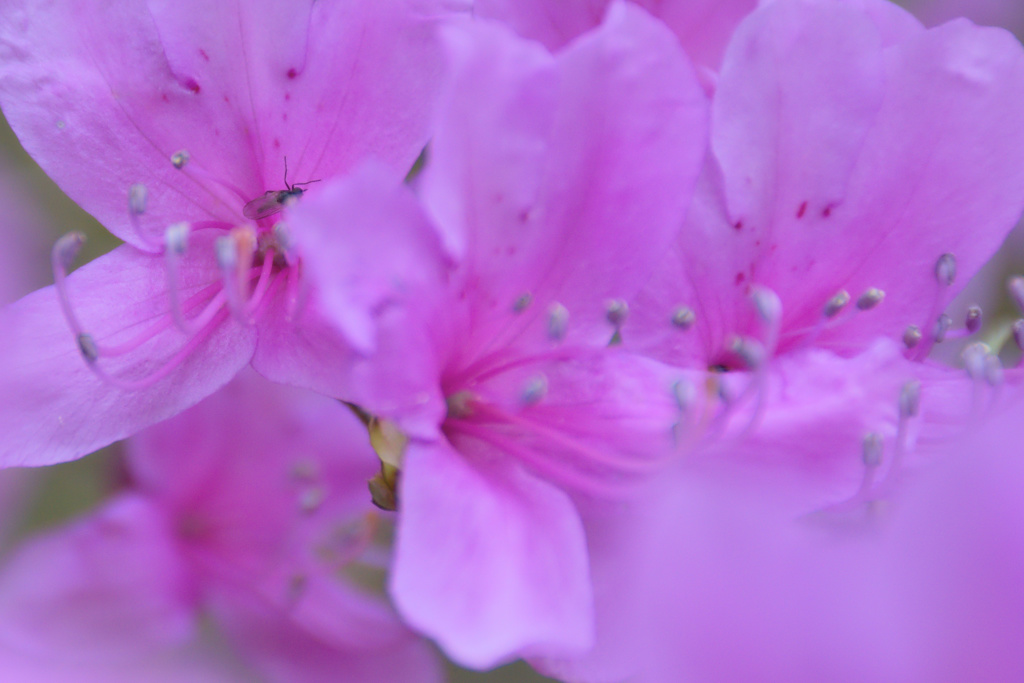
(849, 147)
(925, 587)
(247, 508)
(703, 27)
(171, 123)
(555, 183)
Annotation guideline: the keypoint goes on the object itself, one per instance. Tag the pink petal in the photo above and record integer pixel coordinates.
(361, 263)
(490, 561)
(23, 257)
(282, 651)
(323, 83)
(54, 408)
(379, 273)
(606, 138)
(227, 467)
(596, 422)
(109, 586)
(837, 184)
(702, 27)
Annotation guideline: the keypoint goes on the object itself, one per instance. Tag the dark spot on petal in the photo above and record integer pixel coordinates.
(192, 86)
(202, 53)
(277, 144)
(827, 211)
(802, 210)
(227, 99)
(284, 116)
(287, 96)
(740, 277)
(738, 225)
(292, 73)
(165, 98)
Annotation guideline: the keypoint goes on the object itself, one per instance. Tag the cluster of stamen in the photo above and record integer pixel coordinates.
(253, 264)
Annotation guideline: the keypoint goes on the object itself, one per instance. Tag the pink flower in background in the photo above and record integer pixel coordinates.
(493, 378)
(861, 169)
(703, 27)
(248, 508)
(925, 587)
(171, 123)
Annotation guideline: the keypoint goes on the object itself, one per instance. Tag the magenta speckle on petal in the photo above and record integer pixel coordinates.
(202, 53)
(292, 73)
(802, 210)
(192, 86)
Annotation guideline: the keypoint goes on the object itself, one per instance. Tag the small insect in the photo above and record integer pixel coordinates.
(272, 201)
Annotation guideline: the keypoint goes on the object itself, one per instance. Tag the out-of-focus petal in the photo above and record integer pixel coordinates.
(284, 652)
(108, 586)
(602, 140)
(489, 561)
(380, 273)
(54, 408)
(895, 193)
(703, 27)
(103, 93)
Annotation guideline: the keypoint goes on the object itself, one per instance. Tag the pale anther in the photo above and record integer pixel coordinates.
(751, 351)
(993, 370)
(683, 317)
(872, 449)
(617, 310)
(945, 270)
(870, 298)
(534, 391)
(522, 302)
(942, 326)
(912, 336)
(87, 345)
(836, 304)
(685, 394)
(227, 252)
(974, 356)
(910, 399)
(180, 158)
(558, 321)
(176, 237)
(1018, 333)
(973, 320)
(282, 236)
(767, 303)
(1015, 285)
(67, 248)
(311, 499)
(137, 195)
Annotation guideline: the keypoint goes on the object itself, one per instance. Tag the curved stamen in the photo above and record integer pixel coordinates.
(170, 366)
(547, 467)
(872, 450)
(137, 196)
(945, 276)
(486, 413)
(262, 283)
(175, 246)
(63, 255)
(501, 361)
(227, 194)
